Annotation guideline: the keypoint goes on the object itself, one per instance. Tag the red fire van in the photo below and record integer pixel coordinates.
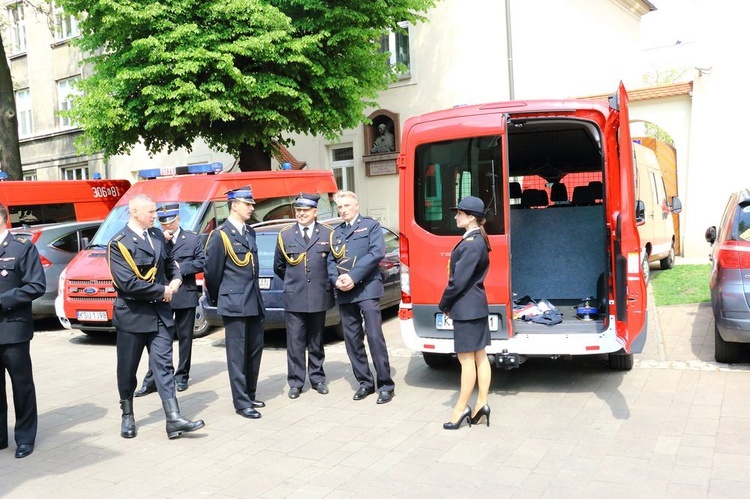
(86, 292)
(557, 179)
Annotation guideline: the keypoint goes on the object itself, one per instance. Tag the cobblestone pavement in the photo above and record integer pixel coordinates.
(675, 426)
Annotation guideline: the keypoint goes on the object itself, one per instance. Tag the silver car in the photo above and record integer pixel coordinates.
(730, 277)
(57, 244)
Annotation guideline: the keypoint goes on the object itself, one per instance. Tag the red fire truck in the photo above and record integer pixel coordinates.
(578, 252)
(86, 292)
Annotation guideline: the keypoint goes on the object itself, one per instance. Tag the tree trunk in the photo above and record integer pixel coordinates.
(254, 158)
(10, 153)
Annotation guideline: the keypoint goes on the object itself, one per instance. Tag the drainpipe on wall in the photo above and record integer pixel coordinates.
(509, 42)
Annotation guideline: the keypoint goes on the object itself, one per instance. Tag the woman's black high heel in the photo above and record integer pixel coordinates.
(484, 411)
(455, 426)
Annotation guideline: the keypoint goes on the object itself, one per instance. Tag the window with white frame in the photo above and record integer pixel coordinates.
(76, 173)
(23, 110)
(16, 31)
(29, 175)
(342, 164)
(66, 26)
(397, 44)
(65, 93)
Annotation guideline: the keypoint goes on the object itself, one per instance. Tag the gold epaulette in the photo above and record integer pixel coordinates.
(21, 239)
(233, 256)
(339, 253)
(292, 261)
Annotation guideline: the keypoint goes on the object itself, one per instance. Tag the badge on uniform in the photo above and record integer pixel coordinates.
(4, 273)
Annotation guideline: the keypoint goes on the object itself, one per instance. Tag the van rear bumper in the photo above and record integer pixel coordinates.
(526, 344)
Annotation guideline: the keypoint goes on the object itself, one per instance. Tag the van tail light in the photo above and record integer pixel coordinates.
(734, 255)
(45, 263)
(405, 282)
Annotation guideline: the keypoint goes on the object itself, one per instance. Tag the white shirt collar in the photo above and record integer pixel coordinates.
(237, 225)
(470, 232)
(135, 229)
(301, 227)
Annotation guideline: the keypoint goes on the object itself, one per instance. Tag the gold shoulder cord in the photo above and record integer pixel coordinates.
(292, 261)
(233, 256)
(341, 252)
(150, 275)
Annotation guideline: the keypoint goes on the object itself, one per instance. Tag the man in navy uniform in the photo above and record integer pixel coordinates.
(187, 250)
(357, 248)
(231, 278)
(301, 261)
(21, 282)
(146, 277)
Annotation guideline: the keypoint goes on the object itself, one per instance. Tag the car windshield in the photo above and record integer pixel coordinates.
(266, 242)
(118, 218)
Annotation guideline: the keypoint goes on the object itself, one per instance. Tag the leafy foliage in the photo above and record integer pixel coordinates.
(234, 72)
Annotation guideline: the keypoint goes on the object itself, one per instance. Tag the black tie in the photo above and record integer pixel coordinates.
(147, 239)
(305, 235)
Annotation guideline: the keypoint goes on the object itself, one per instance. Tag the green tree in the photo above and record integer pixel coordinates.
(10, 153)
(238, 73)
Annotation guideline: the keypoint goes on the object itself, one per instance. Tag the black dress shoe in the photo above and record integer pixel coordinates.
(24, 450)
(145, 390)
(294, 392)
(257, 403)
(363, 392)
(181, 387)
(385, 396)
(321, 388)
(248, 412)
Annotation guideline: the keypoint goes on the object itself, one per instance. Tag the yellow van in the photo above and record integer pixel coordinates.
(654, 211)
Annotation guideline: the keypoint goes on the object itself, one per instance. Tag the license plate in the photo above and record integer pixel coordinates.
(92, 316)
(264, 282)
(444, 323)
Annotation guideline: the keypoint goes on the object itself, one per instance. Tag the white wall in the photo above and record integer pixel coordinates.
(561, 48)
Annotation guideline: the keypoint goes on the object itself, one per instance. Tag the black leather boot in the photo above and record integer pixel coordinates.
(176, 424)
(127, 427)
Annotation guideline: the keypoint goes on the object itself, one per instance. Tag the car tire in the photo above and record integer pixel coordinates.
(646, 269)
(437, 360)
(621, 362)
(667, 262)
(726, 352)
(202, 326)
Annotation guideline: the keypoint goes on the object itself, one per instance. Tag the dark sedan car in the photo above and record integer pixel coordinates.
(272, 288)
(57, 245)
(730, 277)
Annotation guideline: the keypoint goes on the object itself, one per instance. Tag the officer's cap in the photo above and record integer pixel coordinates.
(306, 200)
(244, 194)
(471, 205)
(168, 212)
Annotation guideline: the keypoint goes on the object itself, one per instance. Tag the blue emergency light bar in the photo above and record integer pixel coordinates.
(172, 171)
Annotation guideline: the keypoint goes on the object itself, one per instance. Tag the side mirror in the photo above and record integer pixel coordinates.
(640, 212)
(711, 234)
(676, 205)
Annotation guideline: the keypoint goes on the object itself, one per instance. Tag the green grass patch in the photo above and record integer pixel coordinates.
(682, 284)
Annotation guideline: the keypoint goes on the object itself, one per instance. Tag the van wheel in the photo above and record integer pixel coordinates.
(201, 323)
(646, 269)
(437, 360)
(667, 262)
(621, 362)
(726, 352)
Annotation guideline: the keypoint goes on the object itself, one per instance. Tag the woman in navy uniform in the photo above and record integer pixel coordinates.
(187, 249)
(231, 278)
(146, 278)
(21, 282)
(301, 261)
(465, 301)
(357, 247)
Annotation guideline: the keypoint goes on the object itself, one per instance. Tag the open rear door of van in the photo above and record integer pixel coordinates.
(629, 285)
